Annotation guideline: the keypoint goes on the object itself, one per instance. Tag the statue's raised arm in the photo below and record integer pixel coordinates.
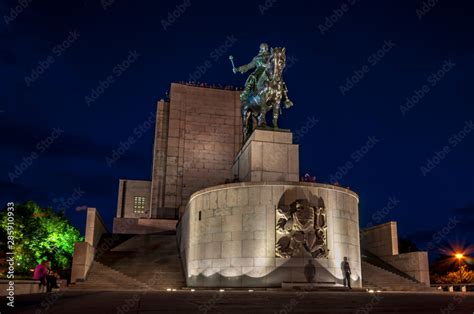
(244, 68)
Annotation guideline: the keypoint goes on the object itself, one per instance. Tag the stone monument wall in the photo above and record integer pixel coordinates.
(227, 235)
(381, 240)
(198, 134)
(128, 189)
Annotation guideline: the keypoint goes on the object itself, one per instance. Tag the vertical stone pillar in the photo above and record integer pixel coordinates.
(160, 152)
(268, 156)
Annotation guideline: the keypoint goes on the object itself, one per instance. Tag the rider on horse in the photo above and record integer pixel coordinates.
(264, 89)
(261, 63)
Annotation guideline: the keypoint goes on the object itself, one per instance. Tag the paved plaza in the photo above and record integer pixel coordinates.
(88, 302)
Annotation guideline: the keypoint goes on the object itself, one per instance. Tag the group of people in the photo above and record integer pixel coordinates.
(45, 275)
(220, 86)
(47, 278)
(308, 178)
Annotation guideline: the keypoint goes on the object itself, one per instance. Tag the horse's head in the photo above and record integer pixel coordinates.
(278, 61)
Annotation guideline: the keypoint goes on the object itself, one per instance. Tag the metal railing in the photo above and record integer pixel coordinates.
(451, 287)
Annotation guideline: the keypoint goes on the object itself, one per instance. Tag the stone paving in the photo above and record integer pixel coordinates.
(88, 302)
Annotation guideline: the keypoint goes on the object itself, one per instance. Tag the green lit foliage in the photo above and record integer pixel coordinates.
(41, 233)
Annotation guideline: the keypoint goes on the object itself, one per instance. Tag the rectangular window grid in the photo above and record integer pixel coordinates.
(139, 204)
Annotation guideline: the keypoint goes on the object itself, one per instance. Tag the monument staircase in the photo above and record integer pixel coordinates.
(135, 262)
(379, 275)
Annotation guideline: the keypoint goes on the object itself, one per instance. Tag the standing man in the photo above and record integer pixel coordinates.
(347, 273)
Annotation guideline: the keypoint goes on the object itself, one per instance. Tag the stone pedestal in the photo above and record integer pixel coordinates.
(267, 156)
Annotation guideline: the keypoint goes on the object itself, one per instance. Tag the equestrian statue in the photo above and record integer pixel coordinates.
(264, 89)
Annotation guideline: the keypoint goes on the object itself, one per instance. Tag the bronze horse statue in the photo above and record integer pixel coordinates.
(264, 92)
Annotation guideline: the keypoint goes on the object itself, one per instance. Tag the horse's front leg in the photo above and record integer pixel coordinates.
(246, 122)
(262, 122)
(285, 98)
(276, 113)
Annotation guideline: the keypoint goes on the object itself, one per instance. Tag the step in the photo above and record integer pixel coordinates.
(374, 276)
(134, 261)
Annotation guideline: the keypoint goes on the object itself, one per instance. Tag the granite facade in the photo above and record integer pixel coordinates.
(227, 235)
(197, 135)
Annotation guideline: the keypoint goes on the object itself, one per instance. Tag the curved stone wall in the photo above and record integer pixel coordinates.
(227, 235)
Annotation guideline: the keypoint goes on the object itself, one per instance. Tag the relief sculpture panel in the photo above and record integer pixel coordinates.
(301, 229)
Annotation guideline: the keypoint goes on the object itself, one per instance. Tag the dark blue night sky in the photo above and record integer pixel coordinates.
(389, 86)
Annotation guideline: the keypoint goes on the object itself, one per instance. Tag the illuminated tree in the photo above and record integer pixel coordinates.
(40, 233)
(454, 277)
